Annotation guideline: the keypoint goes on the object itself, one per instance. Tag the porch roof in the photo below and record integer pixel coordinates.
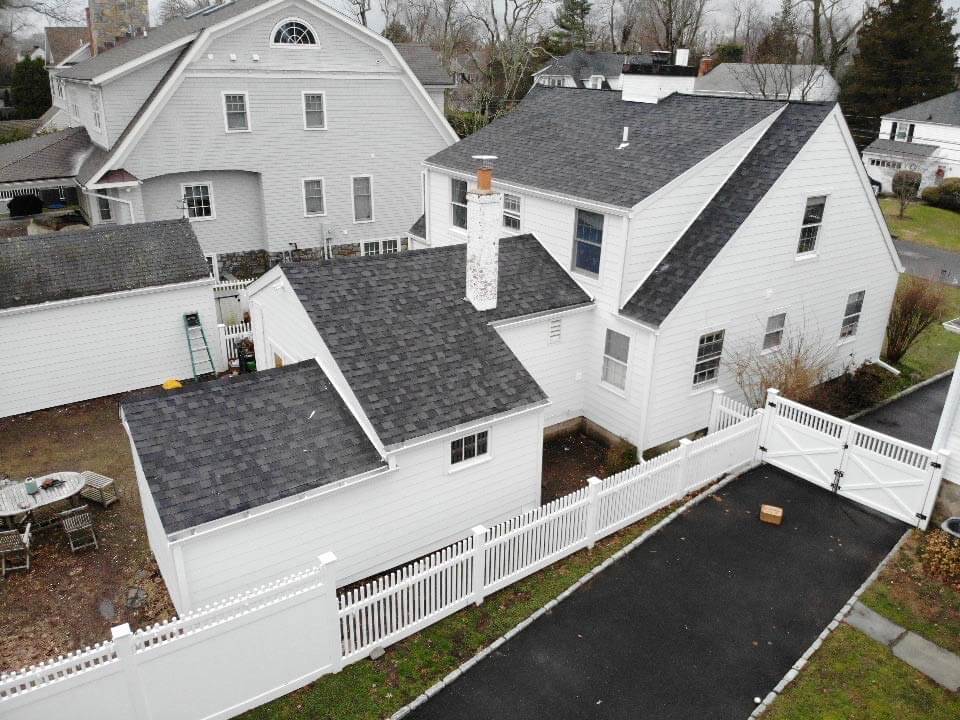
(55, 155)
(892, 147)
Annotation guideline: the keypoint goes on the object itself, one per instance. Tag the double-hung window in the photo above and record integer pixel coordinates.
(903, 131)
(313, 202)
(468, 447)
(709, 352)
(235, 110)
(773, 337)
(103, 207)
(511, 211)
(616, 352)
(812, 220)
(458, 202)
(587, 242)
(362, 199)
(314, 114)
(197, 201)
(851, 314)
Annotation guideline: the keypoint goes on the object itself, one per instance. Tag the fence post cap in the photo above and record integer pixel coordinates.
(478, 530)
(594, 481)
(719, 391)
(772, 391)
(327, 558)
(944, 452)
(221, 324)
(118, 631)
(685, 441)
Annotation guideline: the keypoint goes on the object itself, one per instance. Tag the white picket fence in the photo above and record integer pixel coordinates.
(231, 336)
(419, 594)
(725, 411)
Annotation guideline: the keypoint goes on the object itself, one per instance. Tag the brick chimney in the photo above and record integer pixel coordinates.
(112, 22)
(484, 207)
(706, 65)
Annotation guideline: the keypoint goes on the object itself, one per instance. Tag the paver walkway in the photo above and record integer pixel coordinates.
(707, 614)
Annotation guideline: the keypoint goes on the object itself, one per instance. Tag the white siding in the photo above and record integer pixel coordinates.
(124, 96)
(377, 523)
(557, 366)
(758, 275)
(77, 351)
(237, 204)
(946, 157)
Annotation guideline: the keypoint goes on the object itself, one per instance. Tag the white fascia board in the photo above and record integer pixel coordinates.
(536, 317)
(121, 70)
(266, 280)
(63, 63)
(52, 182)
(104, 297)
(106, 186)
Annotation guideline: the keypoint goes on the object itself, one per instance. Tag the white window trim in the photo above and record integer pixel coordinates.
(844, 339)
(380, 250)
(246, 107)
(289, 46)
(825, 194)
(715, 380)
(303, 104)
(576, 269)
(452, 202)
(783, 330)
(474, 461)
(510, 213)
(112, 220)
(353, 201)
(622, 391)
(303, 196)
(213, 205)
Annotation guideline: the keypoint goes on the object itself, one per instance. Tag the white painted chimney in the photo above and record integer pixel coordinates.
(484, 210)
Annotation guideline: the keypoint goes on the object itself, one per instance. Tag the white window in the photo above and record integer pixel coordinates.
(773, 336)
(390, 246)
(198, 201)
(851, 314)
(75, 111)
(314, 111)
(904, 131)
(362, 199)
(370, 247)
(313, 201)
(103, 207)
(294, 32)
(587, 241)
(458, 202)
(709, 351)
(97, 122)
(812, 219)
(511, 211)
(468, 447)
(552, 81)
(616, 351)
(556, 330)
(235, 112)
(387, 246)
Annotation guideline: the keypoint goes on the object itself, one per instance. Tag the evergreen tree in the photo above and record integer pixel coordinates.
(729, 52)
(30, 88)
(396, 32)
(571, 21)
(905, 56)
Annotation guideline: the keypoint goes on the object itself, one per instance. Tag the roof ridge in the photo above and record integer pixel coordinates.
(67, 133)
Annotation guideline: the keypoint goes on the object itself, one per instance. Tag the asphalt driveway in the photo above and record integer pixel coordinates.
(914, 417)
(928, 262)
(694, 623)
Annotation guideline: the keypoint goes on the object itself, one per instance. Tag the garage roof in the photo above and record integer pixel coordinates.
(103, 259)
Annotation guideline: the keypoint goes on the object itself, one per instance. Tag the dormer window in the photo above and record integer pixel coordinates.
(294, 32)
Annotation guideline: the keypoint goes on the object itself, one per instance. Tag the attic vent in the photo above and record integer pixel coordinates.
(555, 327)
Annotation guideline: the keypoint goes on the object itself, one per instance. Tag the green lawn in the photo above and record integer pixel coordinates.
(923, 224)
(936, 349)
(852, 677)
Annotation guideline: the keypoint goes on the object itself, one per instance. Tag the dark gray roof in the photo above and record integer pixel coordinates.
(746, 78)
(944, 110)
(103, 259)
(417, 355)
(419, 228)
(218, 448)
(699, 245)
(888, 147)
(426, 64)
(62, 42)
(581, 65)
(51, 155)
(565, 140)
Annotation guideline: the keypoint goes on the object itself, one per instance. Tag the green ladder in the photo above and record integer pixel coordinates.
(200, 359)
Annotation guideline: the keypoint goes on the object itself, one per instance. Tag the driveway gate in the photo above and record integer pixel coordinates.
(889, 475)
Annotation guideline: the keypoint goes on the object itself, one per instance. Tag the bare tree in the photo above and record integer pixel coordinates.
(58, 10)
(170, 9)
(917, 305)
(677, 22)
(906, 185)
(779, 80)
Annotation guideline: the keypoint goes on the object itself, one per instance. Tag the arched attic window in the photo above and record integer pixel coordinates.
(294, 32)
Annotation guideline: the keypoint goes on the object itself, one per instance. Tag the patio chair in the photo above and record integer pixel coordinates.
(98, 488)
(78, 525)
(14, 545)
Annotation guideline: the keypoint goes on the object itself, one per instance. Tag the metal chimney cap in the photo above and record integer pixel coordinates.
(483, 158)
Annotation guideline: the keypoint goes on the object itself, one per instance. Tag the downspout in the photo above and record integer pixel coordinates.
(648, 392)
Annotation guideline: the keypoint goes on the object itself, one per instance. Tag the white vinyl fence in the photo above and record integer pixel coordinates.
(725, 411)
(230, 337)
(249, 649)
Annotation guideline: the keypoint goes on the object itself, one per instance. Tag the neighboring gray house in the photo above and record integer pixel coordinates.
(276, 126)
(924, 138)
(811, 83)
(582, 69)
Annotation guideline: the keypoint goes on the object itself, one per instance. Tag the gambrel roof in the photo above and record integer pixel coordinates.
(218, 448)
(417, 355)
(944, 110)
(690, 256)
(566, 141)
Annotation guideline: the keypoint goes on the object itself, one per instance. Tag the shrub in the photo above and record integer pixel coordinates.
(940, 556)
(917, 305)
(619, 457)
(946, 195)
(854, 390)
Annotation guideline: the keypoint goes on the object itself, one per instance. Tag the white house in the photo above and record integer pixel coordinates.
(101, 311)
(396, 416)
(701, 225)
(772, 81)
(262, 122)
(582, 69)
(924, 138)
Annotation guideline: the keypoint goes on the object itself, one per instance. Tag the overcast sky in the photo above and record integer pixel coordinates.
(375, 18)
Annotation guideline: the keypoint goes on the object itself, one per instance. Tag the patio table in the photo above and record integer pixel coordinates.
(15, 500)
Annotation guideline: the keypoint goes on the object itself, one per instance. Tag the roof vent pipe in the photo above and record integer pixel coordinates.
(626, 138)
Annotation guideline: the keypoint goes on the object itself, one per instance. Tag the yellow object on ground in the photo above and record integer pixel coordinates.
(172, 384)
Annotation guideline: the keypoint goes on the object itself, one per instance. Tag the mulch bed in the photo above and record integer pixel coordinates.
(568, 462)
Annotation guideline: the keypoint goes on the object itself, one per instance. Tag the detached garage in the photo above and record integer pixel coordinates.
(100, 311)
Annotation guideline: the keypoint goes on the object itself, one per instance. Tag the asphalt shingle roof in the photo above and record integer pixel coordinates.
(103, 259)
(900, 148)
(62, 42)
(701, 243)
(565, 140)
(419, 228)
(417, 355)
(219, 448)
(425, 63)
(581, 65)
(944, 110)
(746, 77)
(52, 155)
